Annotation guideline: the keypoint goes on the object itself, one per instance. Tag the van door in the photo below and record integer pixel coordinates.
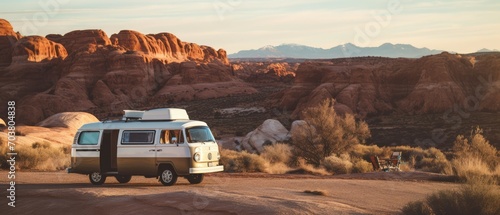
(85, 152)
(173, 150)
(136, 153)
(108, 152)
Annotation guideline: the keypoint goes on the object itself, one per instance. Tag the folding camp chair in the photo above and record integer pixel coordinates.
(379, 166)
(395, 161)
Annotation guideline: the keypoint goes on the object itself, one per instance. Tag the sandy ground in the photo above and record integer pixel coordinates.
(222, 193)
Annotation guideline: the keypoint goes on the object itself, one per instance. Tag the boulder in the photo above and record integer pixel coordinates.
(270, 132)
(70, 120)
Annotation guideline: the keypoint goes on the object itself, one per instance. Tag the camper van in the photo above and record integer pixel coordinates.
(159, 143)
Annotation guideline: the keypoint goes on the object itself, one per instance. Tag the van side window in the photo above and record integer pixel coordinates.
(138, 137)
(88, 138)
(167, 137)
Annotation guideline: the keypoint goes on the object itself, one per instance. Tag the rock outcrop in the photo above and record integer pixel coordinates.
(270, 132)
(75, 40)
(70, 120)
(37, 49)
(167, 47)
(372, 86)
(265, 72)
(87, 71)
(8, 37)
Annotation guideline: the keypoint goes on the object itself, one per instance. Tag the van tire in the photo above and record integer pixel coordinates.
(195, 178)
(123, 178)
(97, 178)
(168, 176)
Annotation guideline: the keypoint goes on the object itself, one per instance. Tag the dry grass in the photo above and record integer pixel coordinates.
(42, 156)
(338, 165)
(474, 157)
(429, 160)
(234, 161)
(476, 197)
(277, 153)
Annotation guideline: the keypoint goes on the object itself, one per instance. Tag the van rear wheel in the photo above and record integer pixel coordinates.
(97, 178)
(123, 178)
(195, 178)
(167, 176)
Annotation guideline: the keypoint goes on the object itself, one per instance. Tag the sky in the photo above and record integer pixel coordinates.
(461, 26)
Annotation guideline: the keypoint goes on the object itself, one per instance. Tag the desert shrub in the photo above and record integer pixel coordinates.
(431, 160)
(42, 156)
(234, 161)
(360, 165)
(473, 198)
(474, 157)
(338, 165)
(305, 167)
(471, 168)
(277, 153)
(365, 152)
(325, 133)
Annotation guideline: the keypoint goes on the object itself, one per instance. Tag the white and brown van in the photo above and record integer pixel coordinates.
(161, 143)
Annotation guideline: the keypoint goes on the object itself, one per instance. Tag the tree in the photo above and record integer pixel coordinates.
(324, 132)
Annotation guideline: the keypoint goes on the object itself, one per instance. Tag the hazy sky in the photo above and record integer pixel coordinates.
(455, 25)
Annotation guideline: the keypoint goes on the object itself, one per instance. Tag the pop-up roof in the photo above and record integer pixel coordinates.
(157, 114)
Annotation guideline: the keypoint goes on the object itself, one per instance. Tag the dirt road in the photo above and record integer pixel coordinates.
(61, 193)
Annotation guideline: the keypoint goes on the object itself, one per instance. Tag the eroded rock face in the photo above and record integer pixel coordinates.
(270, 132)
(75, 40)
(84, 70)
(167, 47)
(37, 49)
(365, 86)
(8, 37)
(265, 72)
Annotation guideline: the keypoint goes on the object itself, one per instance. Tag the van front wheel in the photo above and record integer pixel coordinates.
(97, 178)
(195, 178)
(168, 177)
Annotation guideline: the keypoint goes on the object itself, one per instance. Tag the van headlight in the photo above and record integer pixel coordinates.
(197, 157)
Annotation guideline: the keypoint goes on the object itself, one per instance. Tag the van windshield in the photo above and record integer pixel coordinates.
(199, 134)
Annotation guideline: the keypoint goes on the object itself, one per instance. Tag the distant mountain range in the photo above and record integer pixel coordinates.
(488, 50)
(341, 51)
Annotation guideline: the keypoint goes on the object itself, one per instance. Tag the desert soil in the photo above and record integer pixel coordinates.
(221, 193)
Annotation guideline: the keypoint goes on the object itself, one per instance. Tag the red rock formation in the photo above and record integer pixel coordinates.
(167, 47)
(432, 84)
(75, 40)
(7, 40)
(265, 72)
(37, 49)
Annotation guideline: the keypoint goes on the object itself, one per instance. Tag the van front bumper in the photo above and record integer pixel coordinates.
(206, 169)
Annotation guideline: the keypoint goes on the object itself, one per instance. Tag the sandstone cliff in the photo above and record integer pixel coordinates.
(372, 86)
(87, 71)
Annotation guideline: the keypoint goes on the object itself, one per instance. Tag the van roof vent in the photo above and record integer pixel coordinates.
(156, 114)
(132, 115)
